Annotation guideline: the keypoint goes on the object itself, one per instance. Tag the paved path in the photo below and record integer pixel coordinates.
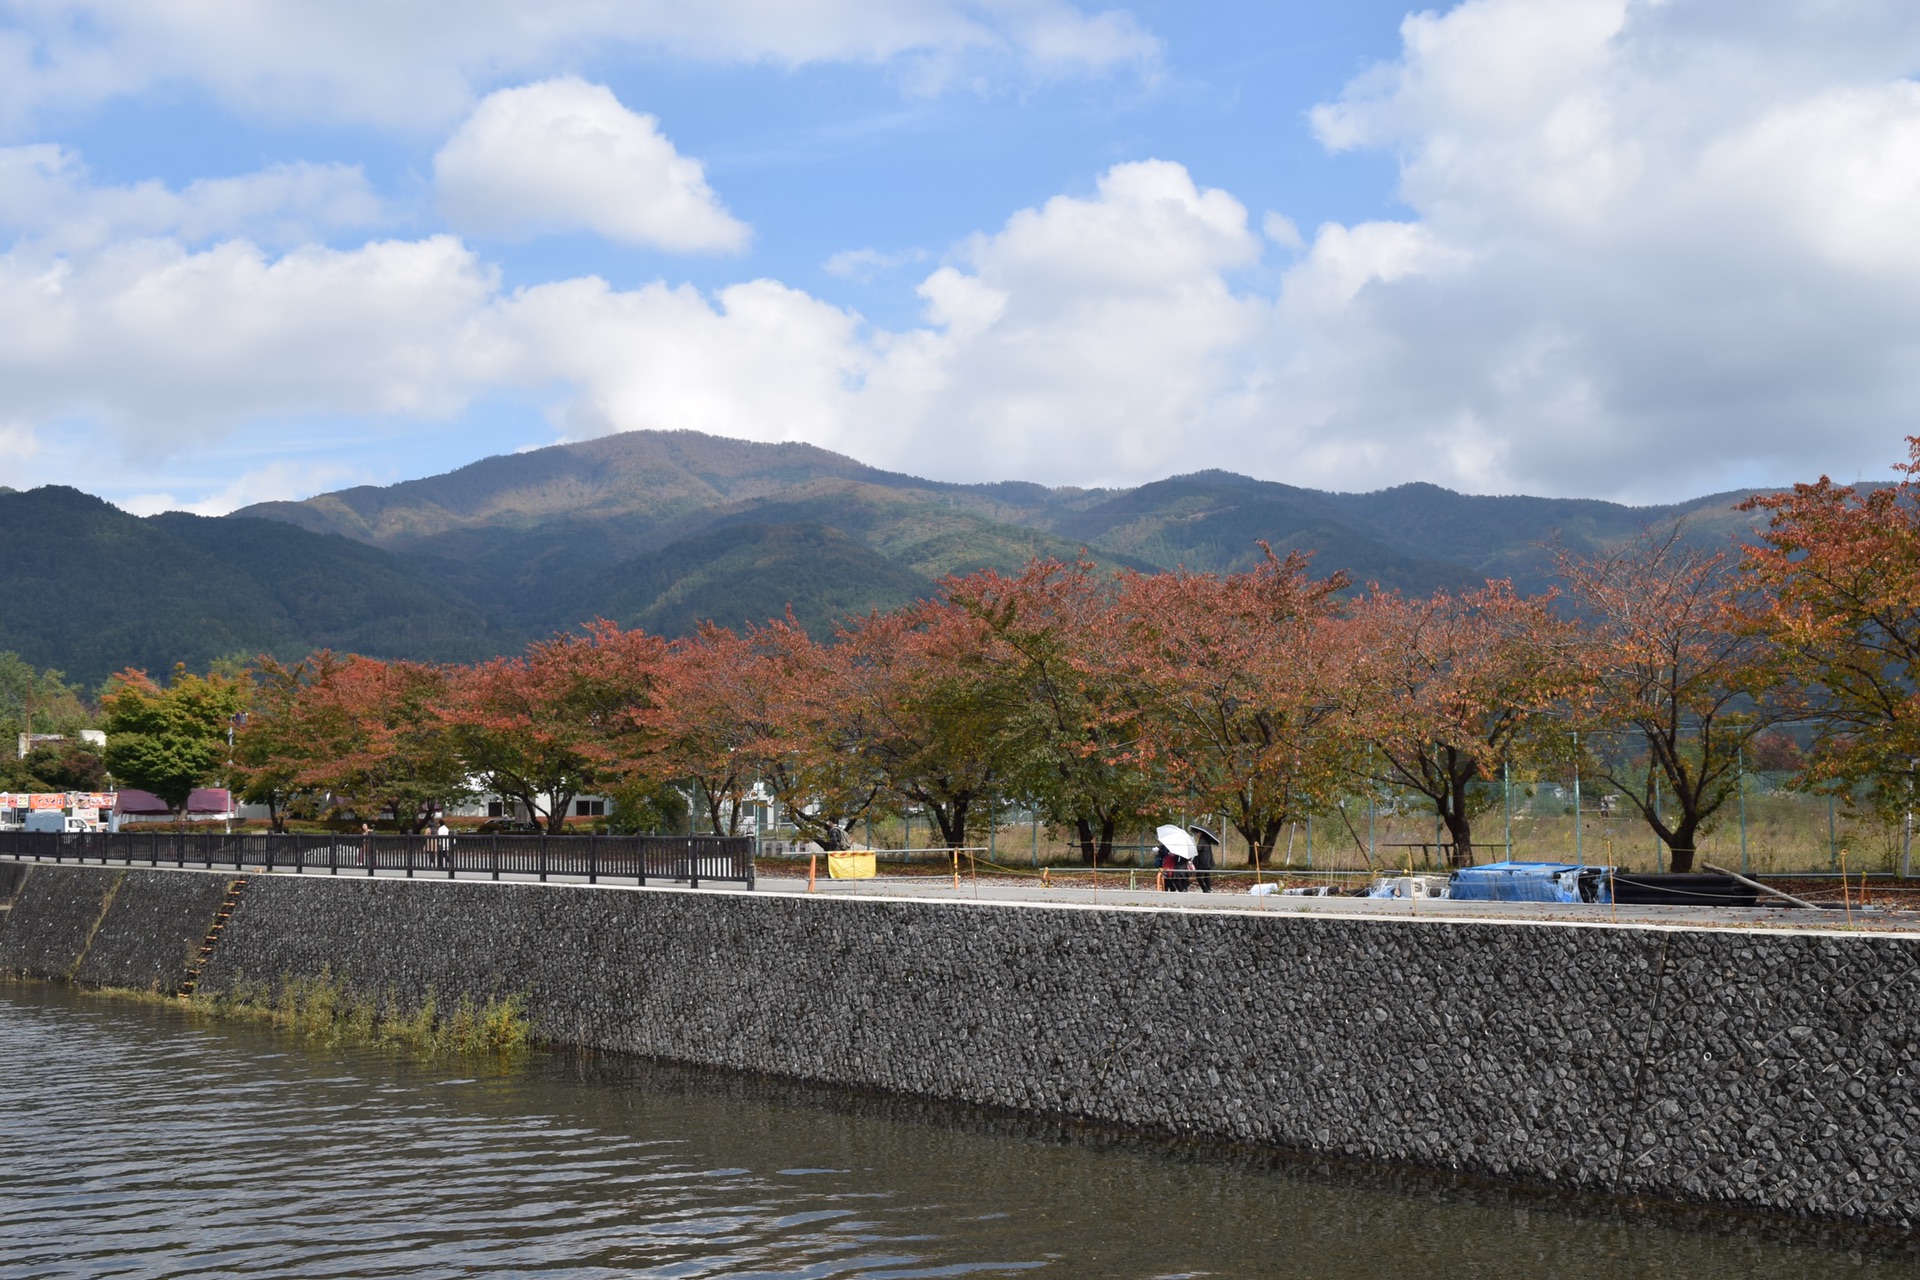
(940, 888)
(1229, 898)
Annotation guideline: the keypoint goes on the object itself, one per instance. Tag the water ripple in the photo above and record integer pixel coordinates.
(142, 1142)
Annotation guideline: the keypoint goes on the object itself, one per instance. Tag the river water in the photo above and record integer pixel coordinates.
(144, 1141)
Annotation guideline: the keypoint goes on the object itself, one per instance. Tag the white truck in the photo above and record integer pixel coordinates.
(55, 820)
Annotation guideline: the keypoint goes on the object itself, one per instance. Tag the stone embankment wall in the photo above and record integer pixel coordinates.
(1771, 1071)
(108, 927)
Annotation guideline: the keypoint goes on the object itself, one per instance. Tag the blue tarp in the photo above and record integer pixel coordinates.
(1530, 882)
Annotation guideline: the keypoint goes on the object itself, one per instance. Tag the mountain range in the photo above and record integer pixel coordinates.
(665, 529)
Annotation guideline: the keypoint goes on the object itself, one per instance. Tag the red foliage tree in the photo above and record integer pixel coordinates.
(1237, 675)
(371, 734)
(526, 726)
(1052, 662)
(1444, 689)
(1669, 657)
(707, 718)
(927, 718)
(1840, 567)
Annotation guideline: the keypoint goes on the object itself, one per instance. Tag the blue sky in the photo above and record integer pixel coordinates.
(1609, 248)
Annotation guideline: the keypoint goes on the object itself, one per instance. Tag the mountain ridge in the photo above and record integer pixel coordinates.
(667, 529)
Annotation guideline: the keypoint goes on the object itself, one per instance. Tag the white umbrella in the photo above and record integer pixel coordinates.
(1178, 842)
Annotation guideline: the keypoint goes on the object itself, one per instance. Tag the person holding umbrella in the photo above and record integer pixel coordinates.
(1177, 854)
(1203, 860)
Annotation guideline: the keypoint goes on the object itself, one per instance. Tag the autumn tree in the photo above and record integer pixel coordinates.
(1445, 688)
(372, 735)
(709, 705)
(1237, 676)
(268, 752)
(1840, 570)
(525, 726)
(924, 712)
(1670, 659)
(1054, 657)
(169, 740)
(812, 745)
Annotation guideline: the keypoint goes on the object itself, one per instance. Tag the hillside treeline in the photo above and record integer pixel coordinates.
(1106, 702)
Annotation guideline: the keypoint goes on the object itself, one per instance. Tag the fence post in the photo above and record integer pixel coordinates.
(693, 866)
(409, 855)
(640, 847)
(493, 856)
(333, 858)
(1741, 778)
(593, 859)
(543, 857)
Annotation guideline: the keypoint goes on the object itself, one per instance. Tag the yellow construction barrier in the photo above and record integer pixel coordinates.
(850, 866)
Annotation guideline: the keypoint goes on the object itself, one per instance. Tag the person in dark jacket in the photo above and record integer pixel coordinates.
(1207, 842)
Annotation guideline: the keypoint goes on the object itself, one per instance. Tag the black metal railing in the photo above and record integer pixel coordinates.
(637, 859)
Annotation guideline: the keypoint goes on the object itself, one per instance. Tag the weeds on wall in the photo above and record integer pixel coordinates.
(326, 1010)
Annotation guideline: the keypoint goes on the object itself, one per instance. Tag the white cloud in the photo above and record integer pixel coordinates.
(417, 64)
(47, 195)
(171, 348)
(564, 155)
(759, 361)
(865, 265)
(275, 482)
(1650, 250)
(1090, 338)
(1668, 247)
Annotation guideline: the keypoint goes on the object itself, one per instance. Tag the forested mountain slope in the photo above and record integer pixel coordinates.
(665, 529)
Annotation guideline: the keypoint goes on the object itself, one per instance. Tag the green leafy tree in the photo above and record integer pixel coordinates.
(59, 766)
(35, 701)
(170, 740)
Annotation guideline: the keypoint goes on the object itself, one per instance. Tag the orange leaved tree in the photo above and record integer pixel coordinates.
(1840, 569)
(1237, 676)
(1445, 688)
(812, 751)
(524, 726)
(923, 711)
(1053, 661)
(372, 735)
(1672, 664)
(707, 718)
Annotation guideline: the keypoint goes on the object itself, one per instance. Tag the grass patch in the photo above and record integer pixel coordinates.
(326, 1010)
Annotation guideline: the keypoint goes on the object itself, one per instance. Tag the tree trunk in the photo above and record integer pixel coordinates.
(1089, 852)
(1682, 844)
(557, 820)
(1260, 838)
(1096, 843)
(952, 821)
(1460, 827)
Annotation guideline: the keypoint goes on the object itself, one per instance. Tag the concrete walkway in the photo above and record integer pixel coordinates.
(940, 888)
(1227, 896)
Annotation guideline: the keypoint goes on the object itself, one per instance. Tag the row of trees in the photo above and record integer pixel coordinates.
(1107, 702)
